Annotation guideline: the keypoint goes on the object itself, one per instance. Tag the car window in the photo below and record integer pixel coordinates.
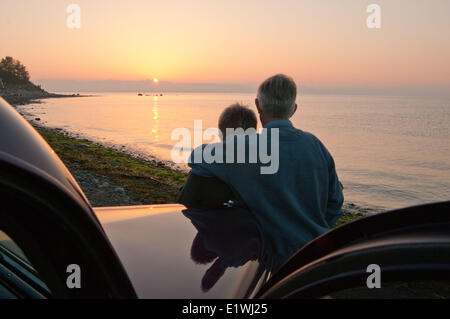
(9, 244)
(13, 259)
(5, 293)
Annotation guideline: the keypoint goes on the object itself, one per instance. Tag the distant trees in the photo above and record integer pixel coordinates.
(13, 71)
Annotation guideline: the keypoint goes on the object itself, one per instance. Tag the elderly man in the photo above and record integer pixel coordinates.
(302, 199)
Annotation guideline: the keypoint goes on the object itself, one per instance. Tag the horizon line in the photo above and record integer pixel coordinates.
(147, 85)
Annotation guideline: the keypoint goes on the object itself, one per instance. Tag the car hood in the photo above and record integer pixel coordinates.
(169, 251)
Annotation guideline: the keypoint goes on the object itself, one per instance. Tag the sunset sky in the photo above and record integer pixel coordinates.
(320, 43)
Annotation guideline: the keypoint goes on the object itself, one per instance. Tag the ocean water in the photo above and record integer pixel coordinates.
(390, 152)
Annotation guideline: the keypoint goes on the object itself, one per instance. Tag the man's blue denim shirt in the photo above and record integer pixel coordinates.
(301, 201)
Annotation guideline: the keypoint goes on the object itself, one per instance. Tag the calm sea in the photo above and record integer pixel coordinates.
(390, 152)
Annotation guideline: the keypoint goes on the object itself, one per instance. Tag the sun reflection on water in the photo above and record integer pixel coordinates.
(155, 110)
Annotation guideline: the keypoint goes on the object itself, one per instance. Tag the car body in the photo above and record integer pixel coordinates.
(49, 233)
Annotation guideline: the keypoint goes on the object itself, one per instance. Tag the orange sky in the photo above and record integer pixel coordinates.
(319, 43)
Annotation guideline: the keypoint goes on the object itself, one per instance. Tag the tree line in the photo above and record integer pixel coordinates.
(12, 71)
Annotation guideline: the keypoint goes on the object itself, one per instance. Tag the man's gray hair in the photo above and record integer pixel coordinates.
(277, 96)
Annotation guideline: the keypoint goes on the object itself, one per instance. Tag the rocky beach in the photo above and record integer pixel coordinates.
(111, 177)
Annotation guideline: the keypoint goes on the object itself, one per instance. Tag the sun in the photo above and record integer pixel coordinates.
(156, 81)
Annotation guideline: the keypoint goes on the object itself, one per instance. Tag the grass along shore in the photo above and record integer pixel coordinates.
(113, 178)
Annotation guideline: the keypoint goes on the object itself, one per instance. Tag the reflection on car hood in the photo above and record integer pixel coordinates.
(169, 251)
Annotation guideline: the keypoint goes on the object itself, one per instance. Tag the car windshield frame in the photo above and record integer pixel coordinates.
(13, 258)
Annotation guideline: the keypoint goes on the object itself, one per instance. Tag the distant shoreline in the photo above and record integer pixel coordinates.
(23, 96)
